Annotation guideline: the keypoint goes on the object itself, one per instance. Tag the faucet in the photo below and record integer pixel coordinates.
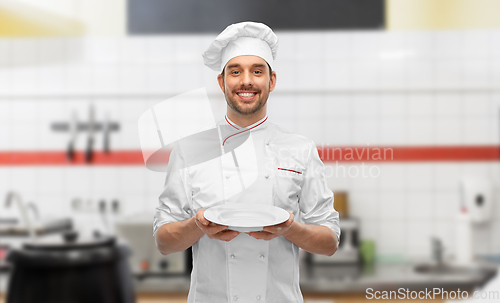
(32, 206)
(437, 251)
(23, 210)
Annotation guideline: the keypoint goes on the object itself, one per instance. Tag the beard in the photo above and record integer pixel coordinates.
(244, 108)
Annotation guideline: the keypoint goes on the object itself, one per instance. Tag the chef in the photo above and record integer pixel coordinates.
(272, 166)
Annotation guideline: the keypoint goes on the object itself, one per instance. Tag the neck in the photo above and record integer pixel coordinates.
(245, 120)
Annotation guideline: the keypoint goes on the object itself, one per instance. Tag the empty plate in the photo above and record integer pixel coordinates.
(246, 217)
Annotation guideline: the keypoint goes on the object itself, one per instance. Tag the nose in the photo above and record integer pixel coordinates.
(246, 79)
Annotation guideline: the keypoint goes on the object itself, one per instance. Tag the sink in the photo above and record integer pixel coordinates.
(42, 227)
(443, 269)
(8, 221)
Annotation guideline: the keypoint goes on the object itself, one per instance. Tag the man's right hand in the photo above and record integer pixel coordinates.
(213, 230)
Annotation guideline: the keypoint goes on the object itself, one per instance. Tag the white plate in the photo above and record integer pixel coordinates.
(246, 217)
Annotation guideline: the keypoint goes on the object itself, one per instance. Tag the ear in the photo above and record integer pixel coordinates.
(272, 83)
(220, 79)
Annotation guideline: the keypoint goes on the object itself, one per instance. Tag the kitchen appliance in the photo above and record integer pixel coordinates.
(477, 198)
(146, 260)
(346, 262)
(70, 270)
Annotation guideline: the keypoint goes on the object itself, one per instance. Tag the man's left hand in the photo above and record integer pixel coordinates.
(271, 232)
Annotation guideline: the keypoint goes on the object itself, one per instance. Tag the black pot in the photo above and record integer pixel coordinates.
(71, 272)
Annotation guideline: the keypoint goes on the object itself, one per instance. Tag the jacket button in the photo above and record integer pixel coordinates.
(227, 176)
(266, 176)
(267, 143)
(233, 256)
(262, 256)
(235, 298)
(258, 297)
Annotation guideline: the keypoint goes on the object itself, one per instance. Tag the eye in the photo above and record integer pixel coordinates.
(234, 72)
(258, 72)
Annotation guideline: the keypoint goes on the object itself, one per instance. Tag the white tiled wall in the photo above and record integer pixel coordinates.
(338, 88)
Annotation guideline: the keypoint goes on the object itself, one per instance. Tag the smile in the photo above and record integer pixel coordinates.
(246, 95)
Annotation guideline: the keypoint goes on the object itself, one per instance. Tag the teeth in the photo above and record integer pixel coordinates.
(246, 94)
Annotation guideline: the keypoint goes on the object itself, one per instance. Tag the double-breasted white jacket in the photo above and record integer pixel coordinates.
(274, 167)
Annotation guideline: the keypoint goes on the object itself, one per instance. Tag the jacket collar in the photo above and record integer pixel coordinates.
(257, 125)
(237, 130)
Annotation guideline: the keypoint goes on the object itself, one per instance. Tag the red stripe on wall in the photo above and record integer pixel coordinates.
(15, 158)
(410, 153)
(326, 153)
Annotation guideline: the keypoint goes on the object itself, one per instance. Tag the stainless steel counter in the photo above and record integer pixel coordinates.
(394, 276)
(380, 277)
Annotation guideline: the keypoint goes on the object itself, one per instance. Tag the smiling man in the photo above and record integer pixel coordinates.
(246, 82)
(261, 266)
(247, 97)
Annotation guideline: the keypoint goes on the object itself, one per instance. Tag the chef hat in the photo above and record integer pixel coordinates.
(244, 38)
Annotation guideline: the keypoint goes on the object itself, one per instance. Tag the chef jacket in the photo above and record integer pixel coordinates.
(274, 167)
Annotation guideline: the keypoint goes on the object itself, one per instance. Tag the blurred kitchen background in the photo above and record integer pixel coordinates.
(419, 80)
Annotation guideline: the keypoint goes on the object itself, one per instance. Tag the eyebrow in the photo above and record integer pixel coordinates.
(238, 65)
(258, 65)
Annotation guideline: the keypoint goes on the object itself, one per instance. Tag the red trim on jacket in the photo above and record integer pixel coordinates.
(244, 131)
(293, 171)
(227, 120)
